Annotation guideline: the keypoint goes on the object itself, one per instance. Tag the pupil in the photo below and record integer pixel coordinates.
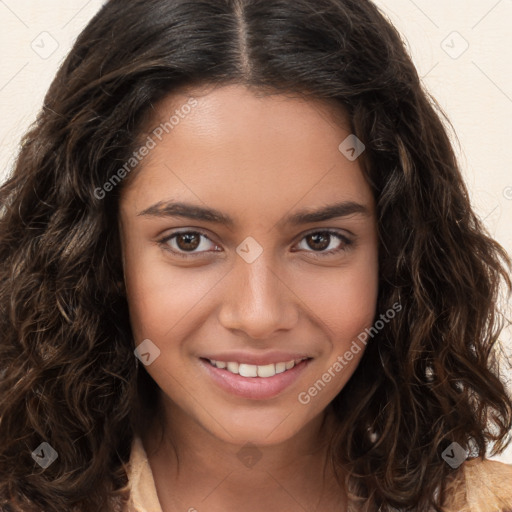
(188, 237)
(316, 237)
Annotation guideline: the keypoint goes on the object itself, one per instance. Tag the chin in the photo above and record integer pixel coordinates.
(261, 426)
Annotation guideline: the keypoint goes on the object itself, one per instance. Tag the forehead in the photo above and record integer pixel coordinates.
(231, 148)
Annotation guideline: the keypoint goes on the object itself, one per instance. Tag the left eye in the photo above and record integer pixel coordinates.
(190, 243)
(319, 241)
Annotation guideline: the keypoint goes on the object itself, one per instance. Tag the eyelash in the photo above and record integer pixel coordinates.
(316, 254)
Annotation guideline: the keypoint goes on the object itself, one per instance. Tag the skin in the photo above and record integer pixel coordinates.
(257, 159)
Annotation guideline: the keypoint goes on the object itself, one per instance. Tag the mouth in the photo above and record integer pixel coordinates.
(254, 382)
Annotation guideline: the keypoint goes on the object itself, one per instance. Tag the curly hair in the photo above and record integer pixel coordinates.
(69, 376)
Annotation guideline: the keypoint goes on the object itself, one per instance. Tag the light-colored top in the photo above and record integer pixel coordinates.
(483, 486)
(143, 496)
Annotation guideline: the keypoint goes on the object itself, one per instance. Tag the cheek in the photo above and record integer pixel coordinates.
(343, 300)
(161, 297)
(344, 303)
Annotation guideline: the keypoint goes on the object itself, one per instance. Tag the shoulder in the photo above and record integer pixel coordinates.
(481, 485)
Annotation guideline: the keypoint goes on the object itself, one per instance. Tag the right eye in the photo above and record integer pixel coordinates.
(186, 243)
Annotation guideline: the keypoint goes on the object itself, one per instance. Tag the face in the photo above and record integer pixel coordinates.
(250, 257)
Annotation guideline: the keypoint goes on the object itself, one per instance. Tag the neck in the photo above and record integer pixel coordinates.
(195, 470)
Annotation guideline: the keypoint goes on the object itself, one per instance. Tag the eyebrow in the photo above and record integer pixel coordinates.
(304, 216)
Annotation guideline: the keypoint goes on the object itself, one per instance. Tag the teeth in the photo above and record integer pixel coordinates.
(269, 370)
(280, 367)
(232, 367)
(247, 370)
(252, 370)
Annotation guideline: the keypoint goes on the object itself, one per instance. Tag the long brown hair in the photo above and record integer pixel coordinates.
(69, 377)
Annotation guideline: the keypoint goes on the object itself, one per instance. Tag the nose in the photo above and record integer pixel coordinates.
(257, 300)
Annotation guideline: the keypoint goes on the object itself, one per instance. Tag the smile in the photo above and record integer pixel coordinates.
(251, 370)
(255, 382)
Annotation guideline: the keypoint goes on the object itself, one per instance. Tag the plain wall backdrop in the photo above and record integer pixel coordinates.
(461, 49)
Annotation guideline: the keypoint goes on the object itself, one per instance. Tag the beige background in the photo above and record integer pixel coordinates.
(461, 49)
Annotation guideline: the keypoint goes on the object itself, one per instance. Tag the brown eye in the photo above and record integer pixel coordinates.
(188, 241)
(317, 242)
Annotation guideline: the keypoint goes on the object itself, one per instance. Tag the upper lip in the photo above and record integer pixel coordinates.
(257, 359)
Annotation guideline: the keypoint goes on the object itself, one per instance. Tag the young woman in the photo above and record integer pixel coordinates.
(241, 272)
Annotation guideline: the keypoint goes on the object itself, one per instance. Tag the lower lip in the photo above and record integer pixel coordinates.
(255, 388)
